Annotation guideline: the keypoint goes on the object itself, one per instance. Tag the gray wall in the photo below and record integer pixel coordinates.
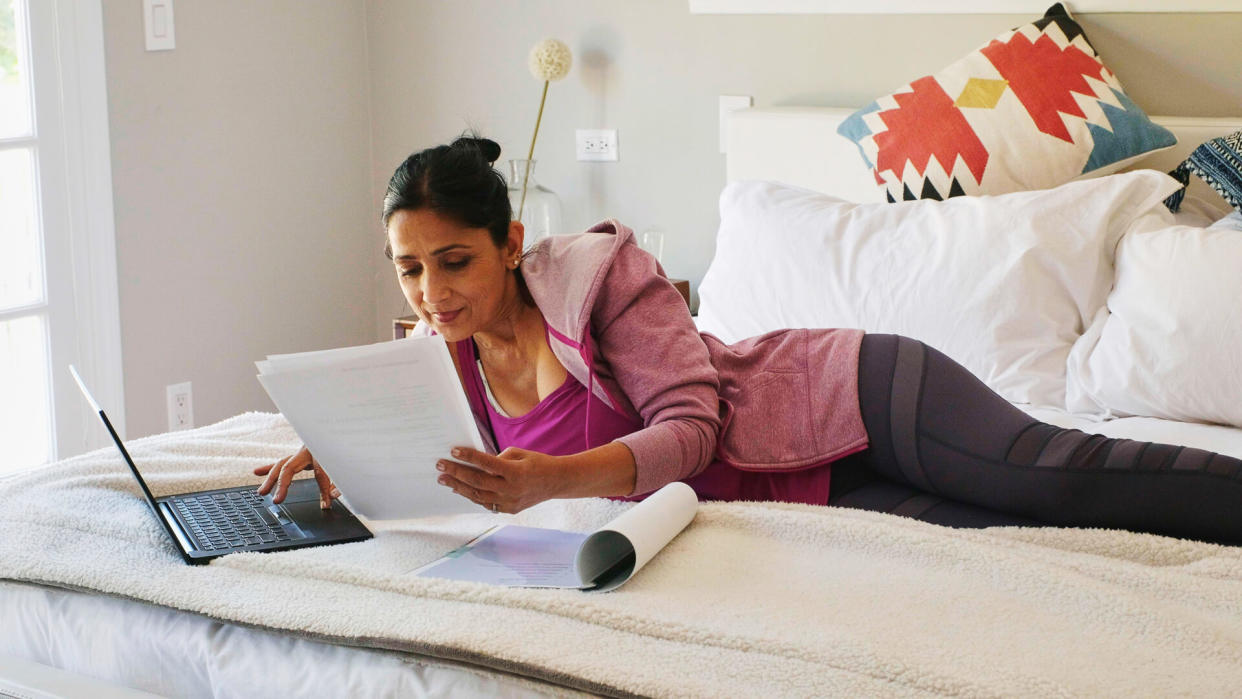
(241, 179)
(250, 162)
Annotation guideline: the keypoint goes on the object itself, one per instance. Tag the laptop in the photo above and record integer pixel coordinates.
(208, 524)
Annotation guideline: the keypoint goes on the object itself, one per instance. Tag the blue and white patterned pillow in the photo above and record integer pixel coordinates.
(1217, 162)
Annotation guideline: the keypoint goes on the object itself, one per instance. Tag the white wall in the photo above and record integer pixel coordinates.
(241, 182)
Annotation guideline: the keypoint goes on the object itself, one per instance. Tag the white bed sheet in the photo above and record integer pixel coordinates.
(179, 654)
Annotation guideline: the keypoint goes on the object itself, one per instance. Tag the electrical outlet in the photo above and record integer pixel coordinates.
(180, 406)
(596, 144)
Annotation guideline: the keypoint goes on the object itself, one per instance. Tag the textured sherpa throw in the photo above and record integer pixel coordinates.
(750, 600)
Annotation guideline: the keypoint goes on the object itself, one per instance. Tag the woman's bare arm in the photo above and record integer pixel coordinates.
(604, 471)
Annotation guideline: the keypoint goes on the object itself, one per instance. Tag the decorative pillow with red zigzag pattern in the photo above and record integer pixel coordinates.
(1033, 109)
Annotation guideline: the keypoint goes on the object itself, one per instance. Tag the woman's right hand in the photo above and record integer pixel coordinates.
(281, 473)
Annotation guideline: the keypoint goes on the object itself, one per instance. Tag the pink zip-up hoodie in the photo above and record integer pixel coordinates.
(782, 401)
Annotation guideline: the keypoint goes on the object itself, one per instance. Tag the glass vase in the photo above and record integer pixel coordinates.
(540, 209)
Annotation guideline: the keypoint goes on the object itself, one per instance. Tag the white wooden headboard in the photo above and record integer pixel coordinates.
(800, 146)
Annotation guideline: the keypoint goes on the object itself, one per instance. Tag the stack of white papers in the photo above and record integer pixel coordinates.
(377, 418)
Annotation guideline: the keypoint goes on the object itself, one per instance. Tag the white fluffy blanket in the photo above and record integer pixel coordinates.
(750, 600)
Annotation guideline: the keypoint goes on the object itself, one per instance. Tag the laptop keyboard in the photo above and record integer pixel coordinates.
(230, 520)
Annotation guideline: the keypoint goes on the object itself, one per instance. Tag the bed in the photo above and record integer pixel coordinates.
(752, 599)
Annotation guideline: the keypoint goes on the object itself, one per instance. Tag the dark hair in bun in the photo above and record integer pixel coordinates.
(456, 181)
(489, 148)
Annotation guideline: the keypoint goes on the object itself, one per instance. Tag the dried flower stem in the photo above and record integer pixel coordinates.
(531, 154)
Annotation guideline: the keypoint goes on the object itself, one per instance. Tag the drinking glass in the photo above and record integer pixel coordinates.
(652, 241)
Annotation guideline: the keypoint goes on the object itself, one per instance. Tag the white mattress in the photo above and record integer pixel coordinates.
(175, 653)
(178, 654)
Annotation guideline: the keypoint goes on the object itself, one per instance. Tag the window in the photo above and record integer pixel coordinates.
(25, 405)
(57, 268)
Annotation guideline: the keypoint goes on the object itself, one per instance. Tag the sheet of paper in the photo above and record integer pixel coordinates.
(335, 356)
(378, 418)
(515, 557)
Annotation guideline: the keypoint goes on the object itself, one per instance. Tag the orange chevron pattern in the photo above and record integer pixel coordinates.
(1042, 76)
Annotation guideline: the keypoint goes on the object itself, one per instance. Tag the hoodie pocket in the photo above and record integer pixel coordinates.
(769, 420)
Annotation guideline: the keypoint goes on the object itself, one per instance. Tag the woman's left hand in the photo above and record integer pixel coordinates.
(510, 481)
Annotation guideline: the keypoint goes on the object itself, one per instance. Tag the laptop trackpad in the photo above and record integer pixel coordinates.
(312, 519)
(300, 511)
(301, 490)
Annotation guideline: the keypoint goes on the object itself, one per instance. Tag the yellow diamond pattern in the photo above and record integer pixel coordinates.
(981, 93)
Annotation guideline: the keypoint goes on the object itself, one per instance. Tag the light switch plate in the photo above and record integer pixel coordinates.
(157, 20)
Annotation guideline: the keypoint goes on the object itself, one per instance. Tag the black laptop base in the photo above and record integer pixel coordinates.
(213, 523)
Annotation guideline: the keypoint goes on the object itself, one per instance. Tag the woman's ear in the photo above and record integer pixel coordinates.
(517, 238)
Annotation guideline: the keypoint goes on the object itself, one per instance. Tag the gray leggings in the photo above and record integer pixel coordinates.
(946, 449)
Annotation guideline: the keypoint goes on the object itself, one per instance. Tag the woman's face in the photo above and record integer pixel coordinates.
(454, 277)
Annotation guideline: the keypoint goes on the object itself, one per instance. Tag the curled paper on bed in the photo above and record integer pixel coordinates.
(603, 560)
(377, 418)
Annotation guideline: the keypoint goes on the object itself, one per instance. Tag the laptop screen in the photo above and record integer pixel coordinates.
(116, 440)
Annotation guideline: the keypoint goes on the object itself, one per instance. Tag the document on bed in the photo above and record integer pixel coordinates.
(377, 418)
(603, 560)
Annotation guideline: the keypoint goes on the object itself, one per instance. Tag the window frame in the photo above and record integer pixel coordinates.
(74, 181)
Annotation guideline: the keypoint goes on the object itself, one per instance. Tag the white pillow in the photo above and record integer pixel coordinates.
(1002, 284)
(1169, 342)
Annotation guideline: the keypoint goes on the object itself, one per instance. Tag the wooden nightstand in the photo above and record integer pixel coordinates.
(403, 325)
(683, 287)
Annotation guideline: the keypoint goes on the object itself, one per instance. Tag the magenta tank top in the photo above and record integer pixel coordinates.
(558, 426)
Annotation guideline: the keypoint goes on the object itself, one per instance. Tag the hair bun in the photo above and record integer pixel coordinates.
(489, 149)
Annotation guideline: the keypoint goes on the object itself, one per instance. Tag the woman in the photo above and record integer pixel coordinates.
(587, 378)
